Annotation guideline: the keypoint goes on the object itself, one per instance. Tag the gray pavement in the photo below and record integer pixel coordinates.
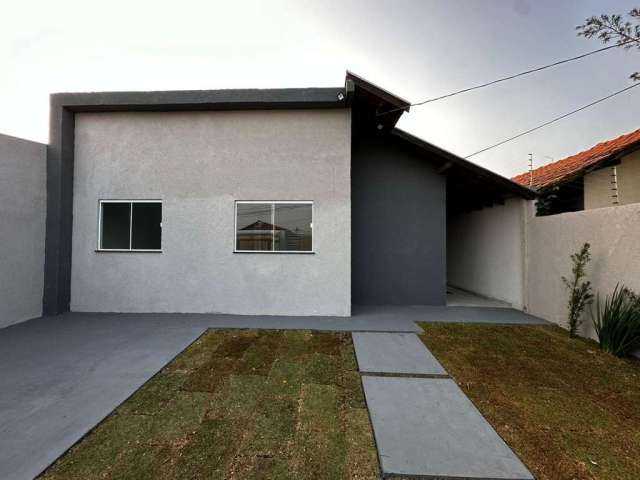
(394, 353)
(488, 315)
(428, 428)
(360, 321)
(58, 379)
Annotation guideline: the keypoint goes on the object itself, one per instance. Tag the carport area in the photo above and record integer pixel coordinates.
(425, 221)
(486, 222)
(486, 225)
(462, 241)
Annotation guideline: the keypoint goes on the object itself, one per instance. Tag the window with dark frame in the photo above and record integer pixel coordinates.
(130, 225)
(278, 227)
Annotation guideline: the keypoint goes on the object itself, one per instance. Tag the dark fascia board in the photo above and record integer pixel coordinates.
(394, 100)
(510, 186)
(188, 100)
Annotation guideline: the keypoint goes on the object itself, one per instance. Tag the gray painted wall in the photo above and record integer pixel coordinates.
(399, 226)
(22, 228)
(199, 163)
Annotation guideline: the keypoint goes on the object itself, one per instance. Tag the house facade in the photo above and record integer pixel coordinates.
(199, 167)
(270, 202)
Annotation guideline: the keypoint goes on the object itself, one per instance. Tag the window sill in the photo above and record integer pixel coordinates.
(114, 250)
(273, 252)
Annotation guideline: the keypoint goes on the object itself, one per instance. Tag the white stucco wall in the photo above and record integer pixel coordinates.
(199, 163)
(614, 235)
(485, 251)
(22, 228)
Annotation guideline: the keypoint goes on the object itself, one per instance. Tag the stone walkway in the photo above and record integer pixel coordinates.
(424, 425)
(395, 353)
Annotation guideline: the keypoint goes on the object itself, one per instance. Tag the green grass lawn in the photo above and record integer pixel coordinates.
(567, 409)
(238, 405)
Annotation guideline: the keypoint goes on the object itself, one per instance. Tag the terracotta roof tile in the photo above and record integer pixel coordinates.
(556, 172)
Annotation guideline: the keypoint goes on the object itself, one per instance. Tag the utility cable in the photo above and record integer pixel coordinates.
(504, 79)
(538, 127)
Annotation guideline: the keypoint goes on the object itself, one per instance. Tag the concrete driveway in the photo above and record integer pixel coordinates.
(60, 376)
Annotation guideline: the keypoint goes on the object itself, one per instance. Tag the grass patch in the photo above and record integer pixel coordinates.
(256, 405)
(567, 409)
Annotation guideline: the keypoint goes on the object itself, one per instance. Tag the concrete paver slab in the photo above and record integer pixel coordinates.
(59, 379)
(394, 353)
(427, 427)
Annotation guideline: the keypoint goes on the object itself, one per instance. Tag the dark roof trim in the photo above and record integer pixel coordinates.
(377, 91)
(184, 100)
(511, 187)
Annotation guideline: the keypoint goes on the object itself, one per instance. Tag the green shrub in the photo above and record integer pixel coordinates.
(617, 321)
(579, 290)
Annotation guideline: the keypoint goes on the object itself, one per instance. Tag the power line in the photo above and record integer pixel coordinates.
(504, 79)
(521, 134)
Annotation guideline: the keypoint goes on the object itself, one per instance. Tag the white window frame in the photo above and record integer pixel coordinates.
(130, 202)
(273, 203)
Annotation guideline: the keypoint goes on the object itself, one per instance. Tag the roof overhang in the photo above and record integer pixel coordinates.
(469, 186)
(372, 105)
(188, 100)
(378, 110)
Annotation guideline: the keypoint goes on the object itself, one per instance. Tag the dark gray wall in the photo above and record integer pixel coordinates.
(398, 210)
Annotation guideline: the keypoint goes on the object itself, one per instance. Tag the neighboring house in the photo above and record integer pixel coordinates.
(606, 175)
(278, 202)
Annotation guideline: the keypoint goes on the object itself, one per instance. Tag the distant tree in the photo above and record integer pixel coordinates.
(544, 204)
(615, 28)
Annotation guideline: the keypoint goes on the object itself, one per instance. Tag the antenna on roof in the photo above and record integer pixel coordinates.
(530, 169)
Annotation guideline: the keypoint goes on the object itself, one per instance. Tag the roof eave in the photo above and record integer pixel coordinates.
(232, 99)
(509, 185)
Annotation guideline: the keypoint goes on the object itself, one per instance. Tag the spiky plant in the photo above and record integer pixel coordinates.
(579, 290)
(617, 321)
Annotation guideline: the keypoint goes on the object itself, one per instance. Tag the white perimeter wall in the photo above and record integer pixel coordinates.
(199, 163)
(614, 235)
(485, 251)
(487, 254)
(22, 228)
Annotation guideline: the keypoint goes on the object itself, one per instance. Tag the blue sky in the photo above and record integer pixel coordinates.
(417, 49)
